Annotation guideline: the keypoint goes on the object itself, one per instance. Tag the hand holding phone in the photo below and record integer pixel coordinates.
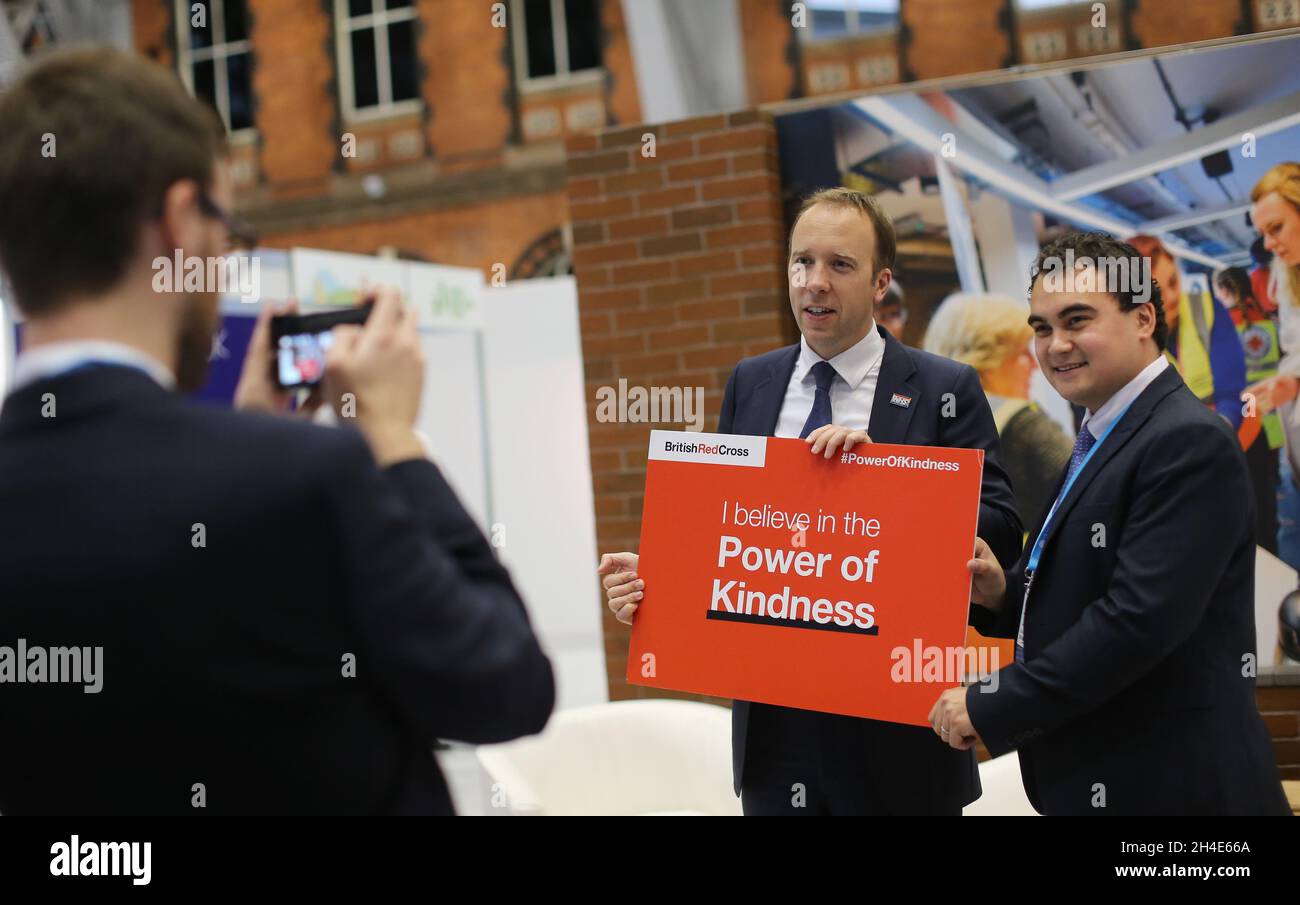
(300, 342)
(378, 368)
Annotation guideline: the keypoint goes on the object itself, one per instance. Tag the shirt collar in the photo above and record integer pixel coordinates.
(853, 364)
(1113, 407)
(51, 359)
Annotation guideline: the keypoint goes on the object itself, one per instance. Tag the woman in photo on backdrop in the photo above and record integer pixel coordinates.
(1275, 211)
(1203, 343)
(991, 334)
(1257, 327)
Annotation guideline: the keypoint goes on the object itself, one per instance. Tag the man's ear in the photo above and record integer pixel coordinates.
(1146, 315)
(181, 223)
(883, 279)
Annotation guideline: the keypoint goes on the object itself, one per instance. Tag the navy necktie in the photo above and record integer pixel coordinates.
(820, 415)
(1083, 444)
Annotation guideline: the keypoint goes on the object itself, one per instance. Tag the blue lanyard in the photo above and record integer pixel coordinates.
(1036, 553)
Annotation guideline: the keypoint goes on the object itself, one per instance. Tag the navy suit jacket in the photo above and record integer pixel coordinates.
(923, 773)
(334, 622)
(1137, 691)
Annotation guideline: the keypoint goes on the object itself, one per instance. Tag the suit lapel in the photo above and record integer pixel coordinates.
(768, 395)
(889, 421)
(1128, 426)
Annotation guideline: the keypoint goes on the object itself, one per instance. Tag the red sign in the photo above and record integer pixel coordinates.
(775, 575)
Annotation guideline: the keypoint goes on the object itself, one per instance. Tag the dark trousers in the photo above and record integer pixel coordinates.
(800, 763)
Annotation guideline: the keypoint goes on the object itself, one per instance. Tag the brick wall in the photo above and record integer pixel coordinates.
(858, 64)
(152, 31)
(953, 38)
(767, 43)
(1069, 32)
(293, 79)
(467, 235)
(680, 263)
(1160, 22)
(1280, 707)
(467, 81)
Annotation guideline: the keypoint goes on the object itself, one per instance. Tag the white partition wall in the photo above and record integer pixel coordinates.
(446, 300)
(452, 416)
(540, 473)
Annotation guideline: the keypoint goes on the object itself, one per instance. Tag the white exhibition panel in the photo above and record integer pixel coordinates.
(451, 416)
(540, 473)
(504, 417)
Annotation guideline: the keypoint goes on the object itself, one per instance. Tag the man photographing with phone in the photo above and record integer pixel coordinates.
(283, 627)
(378, 367)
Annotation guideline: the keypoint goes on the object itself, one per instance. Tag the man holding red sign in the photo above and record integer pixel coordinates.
(848, 382)
(1133, 686)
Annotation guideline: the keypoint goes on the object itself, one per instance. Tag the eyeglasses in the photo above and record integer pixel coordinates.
(241, 233)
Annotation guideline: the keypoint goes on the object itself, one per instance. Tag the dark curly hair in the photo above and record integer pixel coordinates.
(1098, 246)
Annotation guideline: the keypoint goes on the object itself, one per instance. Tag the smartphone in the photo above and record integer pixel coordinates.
(301, 340)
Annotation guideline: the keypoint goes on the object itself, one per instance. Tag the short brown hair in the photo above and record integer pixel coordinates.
(886, 242)
(92, 140)
(1095, 247)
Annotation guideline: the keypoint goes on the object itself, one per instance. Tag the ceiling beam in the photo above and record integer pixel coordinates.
(1220, 135)
(1195, 217)
(913, 119)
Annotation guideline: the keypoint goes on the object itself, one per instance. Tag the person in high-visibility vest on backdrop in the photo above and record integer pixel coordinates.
(1203, 342)
(1257, 327)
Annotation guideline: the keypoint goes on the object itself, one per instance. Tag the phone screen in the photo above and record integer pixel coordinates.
(301, 341)
(300, 358)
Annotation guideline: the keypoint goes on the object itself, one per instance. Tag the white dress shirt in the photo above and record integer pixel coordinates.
(1111, 409)
(51, 359)
(853, 390)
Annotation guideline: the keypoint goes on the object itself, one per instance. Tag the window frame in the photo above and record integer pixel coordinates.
(217, 51)
(344, 26)
(563, 76)
(853, 28)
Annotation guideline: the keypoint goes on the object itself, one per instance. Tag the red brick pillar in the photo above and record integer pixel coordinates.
(293, 81)
(152, 31)
(680, 263)
(953, 38)
(467, 83)
(1280, 707)
(1157, 23)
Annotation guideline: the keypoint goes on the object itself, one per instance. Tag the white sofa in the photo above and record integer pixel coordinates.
(621, 758)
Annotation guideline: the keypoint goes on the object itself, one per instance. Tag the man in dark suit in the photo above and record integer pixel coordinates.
(848, 381)
(251, 613)
(1133, 690)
